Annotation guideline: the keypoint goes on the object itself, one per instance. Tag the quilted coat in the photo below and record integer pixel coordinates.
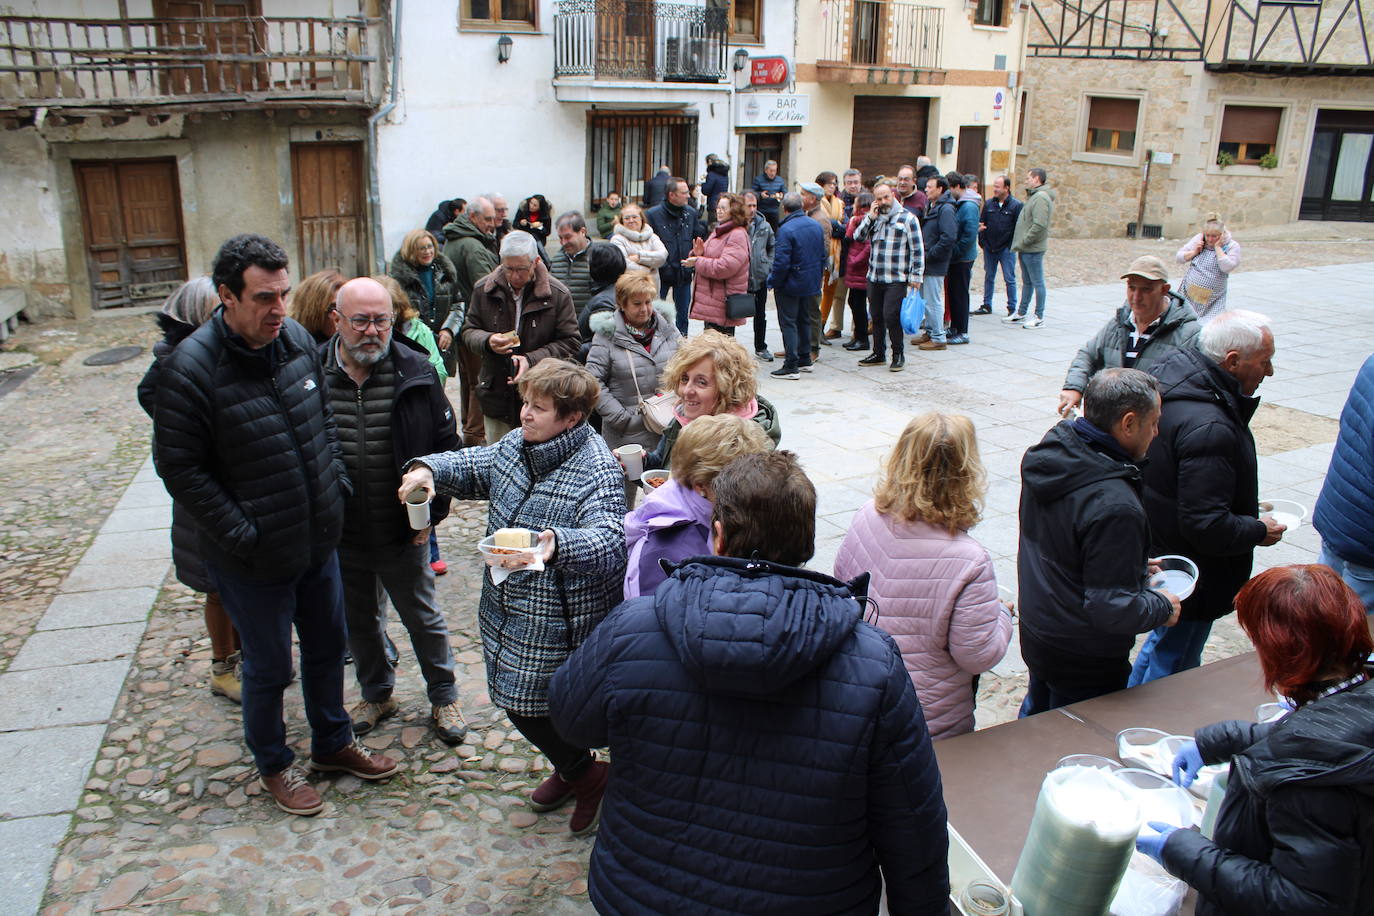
(614, 354)
(244, 440)
(770, 756)
(533, 620)
(721, 271)
(1295, 833)
(936, 594)
(1344, 516)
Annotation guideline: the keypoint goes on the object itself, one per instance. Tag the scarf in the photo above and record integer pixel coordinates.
(638, 237)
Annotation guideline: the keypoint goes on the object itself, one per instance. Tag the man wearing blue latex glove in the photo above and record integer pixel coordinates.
(1153, 844)
(1187, 764)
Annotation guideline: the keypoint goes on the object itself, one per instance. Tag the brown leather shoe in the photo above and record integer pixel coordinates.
(356, 759)
(924, 337)
(292, 793)
(554, 792)
(931, 345)
(832, 334)
(589, 789)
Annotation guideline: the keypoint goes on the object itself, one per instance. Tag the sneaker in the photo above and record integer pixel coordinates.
(807, 368)
(589, 789)
(898, 364)
(440, 567)
(763, 355)
(449, 723)
(553, 793)
(356, 759)
(292, 793)
(1034, 324)
(786, 373)
(366, 714)
(1013, 318)
(921, 338)
(956, 339)
(933, 345)
(873, 359)
(983, 310)
(226, 678)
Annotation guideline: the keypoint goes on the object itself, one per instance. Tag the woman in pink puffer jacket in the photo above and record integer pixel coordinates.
(932, 583)
(722, 265)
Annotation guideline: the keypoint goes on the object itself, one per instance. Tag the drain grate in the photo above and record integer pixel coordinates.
(112, 356)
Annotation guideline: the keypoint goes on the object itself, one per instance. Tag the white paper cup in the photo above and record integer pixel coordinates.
(417, 508)
(632, 457)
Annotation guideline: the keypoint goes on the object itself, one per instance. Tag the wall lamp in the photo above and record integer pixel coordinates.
(503, 46)
(741, 59)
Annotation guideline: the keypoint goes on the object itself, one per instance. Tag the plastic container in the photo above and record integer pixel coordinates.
(1158, 797)
(508, 557)
(1286, 512)
(652, 474)
(1141, 747)
(1176, 574)
(1088, 760)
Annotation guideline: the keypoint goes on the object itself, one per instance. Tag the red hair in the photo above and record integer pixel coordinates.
(1306, 624)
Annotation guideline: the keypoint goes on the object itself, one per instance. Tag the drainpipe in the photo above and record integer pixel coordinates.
(374, 193)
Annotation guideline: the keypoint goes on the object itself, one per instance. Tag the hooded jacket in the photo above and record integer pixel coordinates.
(673, 523)
(770, 752)
(1202, 479)
(939, 233)
(1295, 833)
(716, 183)
(967, 212)
(1106, 349)
(472, 252)
(1344, 516)
(1032, 233)
(1084, 541)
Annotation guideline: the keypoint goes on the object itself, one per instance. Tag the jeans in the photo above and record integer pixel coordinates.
(956, 291)
(1359, 578)
(796, 329)
(433, 545)
(569, 760)
(372, 575)
(885, 307)
(933, 292)
(1042, 696)
(1169, 650)
(1033, 280)
(1005, 259)
(264, 613)
(682, 301)
(760, 318)
(858, 309)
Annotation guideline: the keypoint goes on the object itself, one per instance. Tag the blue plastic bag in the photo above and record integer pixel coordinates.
(913, 310)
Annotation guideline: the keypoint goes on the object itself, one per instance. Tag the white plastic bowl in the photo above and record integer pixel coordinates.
(1286, 512)
(1177, 574)
(653, 472)
(497, 556)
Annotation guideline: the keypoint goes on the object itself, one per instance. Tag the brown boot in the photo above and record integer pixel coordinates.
(356, 759)
(226, 678)
(589, 788)
(292, 793)
(553, 793)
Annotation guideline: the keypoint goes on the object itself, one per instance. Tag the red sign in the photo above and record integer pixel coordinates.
(768, 71)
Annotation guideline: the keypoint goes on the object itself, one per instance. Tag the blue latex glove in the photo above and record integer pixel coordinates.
(1153, 846)
(1187, 764)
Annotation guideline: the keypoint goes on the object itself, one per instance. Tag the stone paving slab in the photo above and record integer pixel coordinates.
(71, 695)
(122, 546)
(27, 846)
(85, 609)
(144, 494)
(142, 519)
(45, 769)
(55, 648)
(101, 574)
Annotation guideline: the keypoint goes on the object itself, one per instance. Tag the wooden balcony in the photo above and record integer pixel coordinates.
(640, 41)
(99, 66)
(880, 41)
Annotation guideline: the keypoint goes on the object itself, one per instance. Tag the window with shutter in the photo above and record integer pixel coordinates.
(1249, 132)
(1112, 125)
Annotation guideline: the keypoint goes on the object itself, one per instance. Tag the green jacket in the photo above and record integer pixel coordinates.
(1179, 329)
(472, 251)
(605, 220)
(1033, 228)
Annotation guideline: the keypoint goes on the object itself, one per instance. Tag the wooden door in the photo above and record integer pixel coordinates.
(213, 27)
(326, 179)
(889, 132)
(131, 216)
(973, 143)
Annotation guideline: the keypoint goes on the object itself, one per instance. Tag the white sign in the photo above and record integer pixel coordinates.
(1161, 157)
(757, 109)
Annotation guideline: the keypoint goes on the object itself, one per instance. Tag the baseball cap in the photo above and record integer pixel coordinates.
(1149, 267)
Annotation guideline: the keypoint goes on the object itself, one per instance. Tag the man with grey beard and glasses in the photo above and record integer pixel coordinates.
(389, 407)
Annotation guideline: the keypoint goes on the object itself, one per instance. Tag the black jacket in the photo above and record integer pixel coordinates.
(244, 439)
(1000, 220)
(939, 232)
(434, 313)
(1295, 834)
(675, 230)
(1081, 560)
(656, 189)
(924, 174)
(716, 183)
(421, 424)
(1202, 481)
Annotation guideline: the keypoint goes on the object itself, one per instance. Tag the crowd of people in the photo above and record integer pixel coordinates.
(770, 748)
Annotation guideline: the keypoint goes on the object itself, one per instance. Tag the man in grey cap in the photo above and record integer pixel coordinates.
(1153, 323)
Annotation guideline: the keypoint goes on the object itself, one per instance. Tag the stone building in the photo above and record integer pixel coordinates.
(1260, 111)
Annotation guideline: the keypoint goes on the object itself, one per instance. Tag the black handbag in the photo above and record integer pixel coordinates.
(739, 305)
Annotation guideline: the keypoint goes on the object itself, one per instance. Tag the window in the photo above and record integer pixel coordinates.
(1021, 118)
(1111, 125)
(990, 12)
(746, 20)
(499, 13)
(1249, 132)
(628, 147)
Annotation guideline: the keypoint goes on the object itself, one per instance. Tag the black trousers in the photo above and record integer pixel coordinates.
(885, 305)
(569, 760)
(858, 310)
(760, 318)
(956, 294)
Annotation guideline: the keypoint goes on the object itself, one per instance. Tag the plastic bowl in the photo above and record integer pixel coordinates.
(1139, 747)
(654, 474)
(1177, 574)
(1286, 512)
(1159, 798)
(508, 557)
(1088, 760)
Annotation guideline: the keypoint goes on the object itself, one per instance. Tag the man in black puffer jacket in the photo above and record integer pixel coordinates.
(244, 439)
(770, 755)
(1202, 480)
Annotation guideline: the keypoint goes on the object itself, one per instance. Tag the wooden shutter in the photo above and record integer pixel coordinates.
(1250, 124)
(1113, 114)
(888, 132)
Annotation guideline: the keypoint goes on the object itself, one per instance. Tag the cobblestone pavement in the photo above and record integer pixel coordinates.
(170, 822)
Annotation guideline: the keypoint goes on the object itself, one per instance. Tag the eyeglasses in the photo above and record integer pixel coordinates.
(425, 248)
(360, 322)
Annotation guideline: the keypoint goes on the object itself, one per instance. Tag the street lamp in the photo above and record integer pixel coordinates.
(503, 46)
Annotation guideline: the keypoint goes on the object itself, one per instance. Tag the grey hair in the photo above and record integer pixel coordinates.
(519, 244)
(492, 195)
(791, 202)
(193, 303)
(572, 218)
(848, 172)
(477, 202)
(772, 162)
(885, 182)
(1233, 330)
(922, 160)
(1113, 393)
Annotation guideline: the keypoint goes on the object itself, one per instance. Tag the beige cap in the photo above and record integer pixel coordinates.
(1149, 267)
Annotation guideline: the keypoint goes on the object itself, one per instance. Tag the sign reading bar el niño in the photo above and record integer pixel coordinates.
(772, 110)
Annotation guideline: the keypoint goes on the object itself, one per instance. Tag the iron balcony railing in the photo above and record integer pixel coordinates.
(100, 63)
(881, 33)
(640, 40)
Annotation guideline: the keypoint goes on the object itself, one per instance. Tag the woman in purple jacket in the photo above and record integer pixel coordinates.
(674, 521)
(933, 584)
